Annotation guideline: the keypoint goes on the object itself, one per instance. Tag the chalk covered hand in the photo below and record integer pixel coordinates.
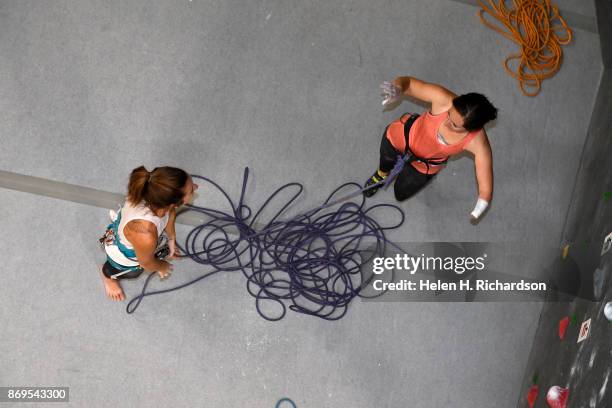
(481, 206)
(390, 93)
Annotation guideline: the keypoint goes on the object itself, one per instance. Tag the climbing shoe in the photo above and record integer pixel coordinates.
(371, 181)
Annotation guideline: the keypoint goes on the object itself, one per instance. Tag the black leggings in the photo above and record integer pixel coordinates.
(410, 181)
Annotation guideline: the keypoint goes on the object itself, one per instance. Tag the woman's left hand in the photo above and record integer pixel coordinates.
(481, 206)
(174, 251)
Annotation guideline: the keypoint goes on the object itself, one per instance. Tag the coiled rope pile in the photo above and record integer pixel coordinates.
(539, 29)
(311, 261)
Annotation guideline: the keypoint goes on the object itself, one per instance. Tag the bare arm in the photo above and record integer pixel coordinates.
(170, 229)
(143, 237)
(440, 98)
(483, 163)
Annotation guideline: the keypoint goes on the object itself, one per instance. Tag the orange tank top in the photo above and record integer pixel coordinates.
(424, 141)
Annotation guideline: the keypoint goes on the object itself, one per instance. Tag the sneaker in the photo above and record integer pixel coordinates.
(371, 181)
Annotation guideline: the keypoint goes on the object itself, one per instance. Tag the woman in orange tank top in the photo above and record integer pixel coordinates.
(452, 125)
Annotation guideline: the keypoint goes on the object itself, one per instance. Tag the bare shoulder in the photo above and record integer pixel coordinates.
(443, 101)
(140, 227)
(479, 144)
(142, 235)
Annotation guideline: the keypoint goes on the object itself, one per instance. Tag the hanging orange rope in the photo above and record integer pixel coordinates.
(530, 24)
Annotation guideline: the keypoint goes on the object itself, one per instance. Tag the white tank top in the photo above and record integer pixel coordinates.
(139, 212)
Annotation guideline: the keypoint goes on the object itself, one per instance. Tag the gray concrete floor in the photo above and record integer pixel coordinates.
(91, 90)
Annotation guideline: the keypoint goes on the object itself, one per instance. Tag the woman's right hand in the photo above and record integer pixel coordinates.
(165, 271)
(391, 93)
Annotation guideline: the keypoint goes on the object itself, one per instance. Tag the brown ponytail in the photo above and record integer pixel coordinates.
(159, 188)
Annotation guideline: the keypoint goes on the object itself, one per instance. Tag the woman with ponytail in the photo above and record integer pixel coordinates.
(133, 239)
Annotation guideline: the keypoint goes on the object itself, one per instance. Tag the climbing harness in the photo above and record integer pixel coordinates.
(409, 156)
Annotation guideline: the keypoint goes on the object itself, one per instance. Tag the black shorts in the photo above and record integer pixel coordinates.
(110, 272)
(410, 181)
(161, 253)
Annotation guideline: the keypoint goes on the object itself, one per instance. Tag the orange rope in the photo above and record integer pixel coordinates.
(530, 24)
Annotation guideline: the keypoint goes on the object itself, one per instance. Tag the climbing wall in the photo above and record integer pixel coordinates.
(573, 344)
(573, 350)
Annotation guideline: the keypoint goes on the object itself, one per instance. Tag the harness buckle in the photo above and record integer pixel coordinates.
(108, 238)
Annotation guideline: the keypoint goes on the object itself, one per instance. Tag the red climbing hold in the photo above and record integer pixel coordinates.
(563, 323)
(557, 397)
(532, 395)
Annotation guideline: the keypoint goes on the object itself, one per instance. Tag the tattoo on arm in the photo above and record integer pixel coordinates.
(141, 227)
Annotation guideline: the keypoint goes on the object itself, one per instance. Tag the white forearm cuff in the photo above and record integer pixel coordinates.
(481, 205)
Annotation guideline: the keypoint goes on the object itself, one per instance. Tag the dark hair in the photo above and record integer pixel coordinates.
(159, 188)
(475, 109)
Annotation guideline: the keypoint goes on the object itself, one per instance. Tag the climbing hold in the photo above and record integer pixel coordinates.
(585, 328)
(574, 318)
(607, 244)
(598, 283)
(565, 251)
(557, 397)
(608, 311)
(563, 323)
(607, 195)
(533, 395)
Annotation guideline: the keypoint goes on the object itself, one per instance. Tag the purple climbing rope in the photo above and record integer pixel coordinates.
(310, 261)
